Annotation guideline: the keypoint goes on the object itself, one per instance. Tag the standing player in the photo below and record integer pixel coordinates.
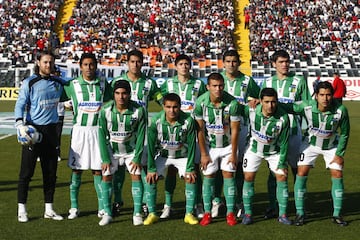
(39, 95)
(121, 134)
(189, 89)
(143, 89)
(87, 94)
(218, 114)
(269, 126)
(325, 118)
(339, 87)
(290, 88)
(246, 92)
(171, 141)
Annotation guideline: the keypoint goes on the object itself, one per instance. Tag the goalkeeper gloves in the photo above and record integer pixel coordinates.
(22, 133)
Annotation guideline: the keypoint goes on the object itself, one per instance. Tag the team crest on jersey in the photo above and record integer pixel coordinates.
(292, 88)
(89, 106)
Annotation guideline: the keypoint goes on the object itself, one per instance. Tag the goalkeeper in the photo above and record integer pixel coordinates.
(39, 95)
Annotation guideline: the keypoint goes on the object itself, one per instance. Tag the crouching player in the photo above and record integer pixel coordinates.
(269, 126)
(171, 141)
(121, 133)
(325, 117)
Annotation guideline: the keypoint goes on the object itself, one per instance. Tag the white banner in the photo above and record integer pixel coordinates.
(352, 86)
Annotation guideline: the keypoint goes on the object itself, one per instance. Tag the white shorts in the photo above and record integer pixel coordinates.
(162, 164)
(219, 156)
(252, 161)
(309, 154)
(294, 149)
(84, 153)
(126, 159)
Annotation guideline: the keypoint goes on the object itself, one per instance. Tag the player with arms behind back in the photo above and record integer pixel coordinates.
(87, 94)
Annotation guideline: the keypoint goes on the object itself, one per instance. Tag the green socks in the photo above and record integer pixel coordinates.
(74, 189)
(97, 184)
(118, 182)
(248, 194)
(299, 194)
(151, 192)
(282, 196)
(190, 193)
(229, 193)
(208, 191)
(337, 191)
(137, 194)
(170, 184)
(106, 196)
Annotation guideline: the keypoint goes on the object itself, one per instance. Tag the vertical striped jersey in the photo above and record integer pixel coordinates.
(241, 87)
(269, 135)
(217, 119)
(87, 98)
(291, 89)
(123, 133)
(188, 91)
(323, 127)
(171, 141)
(142, 90)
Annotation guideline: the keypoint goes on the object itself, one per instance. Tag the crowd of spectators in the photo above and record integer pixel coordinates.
(167, 28)
(26, 26)
(328, 27)
(195, 27)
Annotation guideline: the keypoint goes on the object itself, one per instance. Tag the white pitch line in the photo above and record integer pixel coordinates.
(5, 136)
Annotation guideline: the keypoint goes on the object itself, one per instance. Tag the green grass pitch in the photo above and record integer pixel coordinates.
(318, 204)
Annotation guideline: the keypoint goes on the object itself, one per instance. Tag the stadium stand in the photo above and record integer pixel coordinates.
(321, 36)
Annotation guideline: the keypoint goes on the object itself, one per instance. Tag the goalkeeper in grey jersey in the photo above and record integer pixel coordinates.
(325, 117)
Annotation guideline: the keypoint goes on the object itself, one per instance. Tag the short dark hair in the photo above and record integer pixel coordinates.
(88, 55)
(324, 85)
(232, 53)
(268, 92)
(215, 76)
(136, 53)
(122, 84)
(182, 57)
(173, 97)
(279, 53)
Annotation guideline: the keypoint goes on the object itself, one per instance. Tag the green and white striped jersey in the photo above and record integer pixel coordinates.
(143, 89)
(323, 127)
(217, 119)
(269, 135)
(241, 87)
(123, 133)
(291, 89)
(87, 98)
(188, 91)
(171, 141)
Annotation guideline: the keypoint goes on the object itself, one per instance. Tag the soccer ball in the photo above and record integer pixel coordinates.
(35, 136)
